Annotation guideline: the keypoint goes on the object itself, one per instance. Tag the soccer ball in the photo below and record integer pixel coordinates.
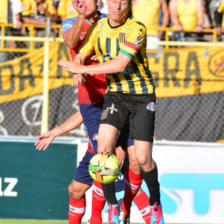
(104, 168)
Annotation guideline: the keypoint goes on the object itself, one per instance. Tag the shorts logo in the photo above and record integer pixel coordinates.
(112, 109)
(104, 114)
(151, 106)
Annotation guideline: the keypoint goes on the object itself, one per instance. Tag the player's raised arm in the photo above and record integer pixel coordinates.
(47, 138)
(71, 32)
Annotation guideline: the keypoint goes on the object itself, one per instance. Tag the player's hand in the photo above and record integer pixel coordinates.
(78, 79)
(94, 58)
(44, 140)
(120, 153)
(71, 66)
(80, 6)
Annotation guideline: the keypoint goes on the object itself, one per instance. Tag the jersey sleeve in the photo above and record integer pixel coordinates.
(88, 46)
(67, 25)
(134, 40)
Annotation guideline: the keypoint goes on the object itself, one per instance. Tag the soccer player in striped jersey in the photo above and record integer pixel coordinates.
(120, 45)
(90, 97)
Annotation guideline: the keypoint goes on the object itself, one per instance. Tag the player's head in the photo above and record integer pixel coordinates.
(90, 6)
(118, 10)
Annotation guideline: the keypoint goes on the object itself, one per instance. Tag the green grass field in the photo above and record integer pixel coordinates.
(35, 221)
(31, 221)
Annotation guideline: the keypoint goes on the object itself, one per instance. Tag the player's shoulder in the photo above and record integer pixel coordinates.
(69, 20)
(97, 26)
(136, 23)
(67, 24)
(101, 22)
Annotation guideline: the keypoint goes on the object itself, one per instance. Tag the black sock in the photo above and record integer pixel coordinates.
(109, 193)
(151, 179)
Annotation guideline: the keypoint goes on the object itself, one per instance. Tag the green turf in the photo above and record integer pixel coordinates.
(34, 221)
(31, 221)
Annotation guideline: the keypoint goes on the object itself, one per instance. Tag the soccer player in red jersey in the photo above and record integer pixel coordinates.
(89, 96)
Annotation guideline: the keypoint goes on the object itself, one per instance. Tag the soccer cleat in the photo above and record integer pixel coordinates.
(124, 218)
(156, 214)
(113, 214)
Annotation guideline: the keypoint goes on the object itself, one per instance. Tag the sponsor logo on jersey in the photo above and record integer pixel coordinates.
(122, 37)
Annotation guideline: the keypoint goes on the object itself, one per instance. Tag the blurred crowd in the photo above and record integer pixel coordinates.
(184, 15)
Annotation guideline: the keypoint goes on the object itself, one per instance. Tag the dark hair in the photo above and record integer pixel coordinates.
(130, 12)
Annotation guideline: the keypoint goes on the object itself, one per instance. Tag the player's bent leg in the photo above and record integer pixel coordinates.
(77, 203)
(141, 200)
(77, 190)
(133, 182)
(98, 202)
(150, 175)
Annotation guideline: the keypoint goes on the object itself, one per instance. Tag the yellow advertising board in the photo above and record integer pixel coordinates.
(187, 71)
(23, 77)
(177, 72)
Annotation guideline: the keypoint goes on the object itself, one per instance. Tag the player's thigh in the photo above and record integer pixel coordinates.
(112, 121)
(91, 114)
(77, 190)
(142, 120)
(114, 112)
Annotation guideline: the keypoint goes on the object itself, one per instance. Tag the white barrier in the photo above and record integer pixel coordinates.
(191, 178)
(192, 182)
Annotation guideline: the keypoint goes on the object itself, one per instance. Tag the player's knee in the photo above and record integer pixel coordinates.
(144, 159)
(71, 189)
(73, 192)
(134, 165)
(104, 146)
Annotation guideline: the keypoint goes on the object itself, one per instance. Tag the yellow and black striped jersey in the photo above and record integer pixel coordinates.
(128, 39)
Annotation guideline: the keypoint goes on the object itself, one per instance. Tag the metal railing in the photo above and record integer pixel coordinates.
(30, 36)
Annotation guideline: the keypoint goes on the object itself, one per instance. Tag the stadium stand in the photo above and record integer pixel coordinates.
(185, 74)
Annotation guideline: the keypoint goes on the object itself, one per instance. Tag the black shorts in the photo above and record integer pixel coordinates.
(133, 110)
